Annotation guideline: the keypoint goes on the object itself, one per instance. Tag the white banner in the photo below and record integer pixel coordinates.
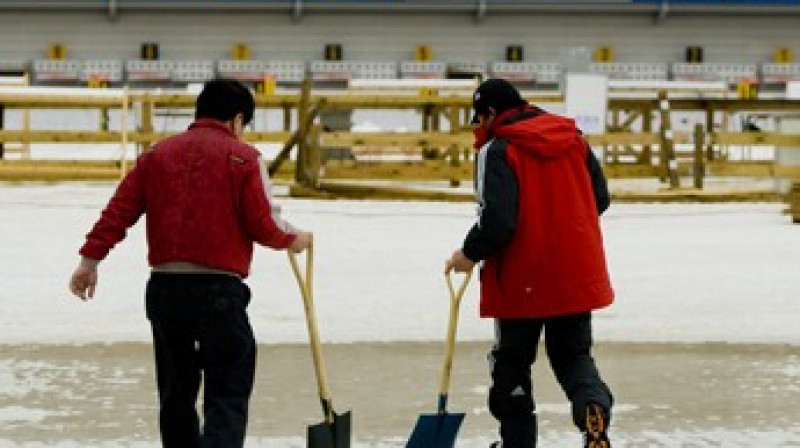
(587, 101)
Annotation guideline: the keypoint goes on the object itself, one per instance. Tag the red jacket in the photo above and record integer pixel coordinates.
(548, 259)
(204, 199)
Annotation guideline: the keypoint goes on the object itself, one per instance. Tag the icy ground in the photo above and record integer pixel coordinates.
(683, 273)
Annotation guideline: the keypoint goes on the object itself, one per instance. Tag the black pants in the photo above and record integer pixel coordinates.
(200, 328)
(568, 341)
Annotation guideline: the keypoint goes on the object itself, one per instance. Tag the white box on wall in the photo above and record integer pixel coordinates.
(793, 90)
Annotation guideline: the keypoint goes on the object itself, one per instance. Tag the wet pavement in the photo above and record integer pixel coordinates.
(709, 393)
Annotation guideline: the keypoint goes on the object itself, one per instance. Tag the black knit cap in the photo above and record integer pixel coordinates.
(495, 93)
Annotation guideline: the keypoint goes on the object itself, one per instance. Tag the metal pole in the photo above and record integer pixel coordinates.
(297, 10)
(112, 9)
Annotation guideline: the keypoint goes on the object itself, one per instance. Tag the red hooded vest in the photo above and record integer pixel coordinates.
(554, 264)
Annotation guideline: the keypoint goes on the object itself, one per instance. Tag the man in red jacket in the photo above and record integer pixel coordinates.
(540, 192)
(206, 197)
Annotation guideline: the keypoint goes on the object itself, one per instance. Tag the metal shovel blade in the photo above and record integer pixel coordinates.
(435, 431)
(331, 435)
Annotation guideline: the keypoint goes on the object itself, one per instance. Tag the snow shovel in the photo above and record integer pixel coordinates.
(439, 430)
(334, 432)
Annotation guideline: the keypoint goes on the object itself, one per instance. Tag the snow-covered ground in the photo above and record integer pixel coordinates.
(682, 273)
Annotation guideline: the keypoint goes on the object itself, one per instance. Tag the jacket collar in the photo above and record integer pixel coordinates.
(483, 134)
(513, 115)
(210, 123)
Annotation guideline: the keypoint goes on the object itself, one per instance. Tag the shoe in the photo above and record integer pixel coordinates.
(596, 426)
(496, 445)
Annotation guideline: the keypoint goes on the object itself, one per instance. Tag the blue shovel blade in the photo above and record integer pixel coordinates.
(435, 431)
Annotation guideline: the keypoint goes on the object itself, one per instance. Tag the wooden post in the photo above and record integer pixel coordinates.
(723, 150)
(313, 155)
(647, 126)
(614, 149)
(147, 122)
(426, 120)
(287, 118)
(301, 174)
(709, 131)
(2, 116)
(663, 159)
(699, 167)
(669, 165)
(25, 145)
(294, 138)
(455, 162)
(104, 119)
(123, 129)
(793, 198)
(26, 127)
(633, 115)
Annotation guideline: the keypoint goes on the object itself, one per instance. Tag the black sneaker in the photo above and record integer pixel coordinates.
(596, 426)
(496, 445)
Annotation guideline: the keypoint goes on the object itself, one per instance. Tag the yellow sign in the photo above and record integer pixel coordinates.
(423, 53)
(241, 52)
(57, 51)
(604, 54)
(784, 55)
(266, 86)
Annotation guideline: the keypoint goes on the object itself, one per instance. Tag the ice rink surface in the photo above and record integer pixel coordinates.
(700, 288)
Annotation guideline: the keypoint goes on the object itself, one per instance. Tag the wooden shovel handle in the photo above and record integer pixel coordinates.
(450, 342)
(313, 332)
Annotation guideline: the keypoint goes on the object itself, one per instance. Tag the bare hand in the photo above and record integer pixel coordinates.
(84, 282)
(458, 262)
(303, 241)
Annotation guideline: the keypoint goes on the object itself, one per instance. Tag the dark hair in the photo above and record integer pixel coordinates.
(222, 99)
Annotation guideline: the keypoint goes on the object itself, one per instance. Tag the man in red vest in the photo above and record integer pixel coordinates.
(206, 197)
(540, 193)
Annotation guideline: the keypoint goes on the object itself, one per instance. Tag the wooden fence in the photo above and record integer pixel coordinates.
(433, 154)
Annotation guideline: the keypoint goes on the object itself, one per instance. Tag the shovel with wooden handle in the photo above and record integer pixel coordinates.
(441, 429)
(334, 431)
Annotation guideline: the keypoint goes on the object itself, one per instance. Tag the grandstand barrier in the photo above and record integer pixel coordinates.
(539, 74)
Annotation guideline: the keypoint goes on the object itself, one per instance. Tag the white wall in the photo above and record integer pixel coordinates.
(635, 38)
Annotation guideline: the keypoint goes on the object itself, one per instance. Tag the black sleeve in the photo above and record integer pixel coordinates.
(599, 185)
(498, 193)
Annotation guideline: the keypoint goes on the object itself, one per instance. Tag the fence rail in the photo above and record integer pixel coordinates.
(438, 154)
